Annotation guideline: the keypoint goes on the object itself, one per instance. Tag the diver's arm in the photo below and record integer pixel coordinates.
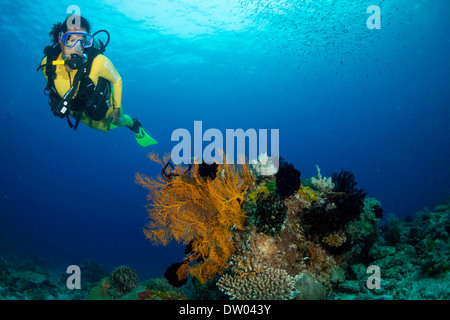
(44, 68)
(103, 67)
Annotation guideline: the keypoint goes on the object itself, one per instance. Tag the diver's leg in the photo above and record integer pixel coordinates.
(127, 121)
(132, 124)
(137, 128)
(124, 119)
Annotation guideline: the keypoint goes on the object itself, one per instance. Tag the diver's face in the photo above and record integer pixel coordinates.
(77, 49)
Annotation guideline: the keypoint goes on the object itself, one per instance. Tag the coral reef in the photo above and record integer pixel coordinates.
(282, 229)
(307, 239)
(428, 233)
(318, 245)
(413, 260)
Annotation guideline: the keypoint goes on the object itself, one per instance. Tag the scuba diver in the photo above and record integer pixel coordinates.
(82, 83)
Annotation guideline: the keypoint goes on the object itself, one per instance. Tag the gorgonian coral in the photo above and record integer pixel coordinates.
(190, 208)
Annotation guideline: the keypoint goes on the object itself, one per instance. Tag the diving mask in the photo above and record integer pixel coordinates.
(82, 39)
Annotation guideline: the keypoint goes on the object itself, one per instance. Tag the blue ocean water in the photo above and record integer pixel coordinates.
(372, 101)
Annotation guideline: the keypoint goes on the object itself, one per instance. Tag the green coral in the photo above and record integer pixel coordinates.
(308, 194)
(123, 279)
(271, 186)
(369, 221)
(431, 239)
(100, 292)
(261, 190)
(161, 289)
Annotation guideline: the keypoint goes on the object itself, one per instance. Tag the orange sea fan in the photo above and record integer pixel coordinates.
(192, 209)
